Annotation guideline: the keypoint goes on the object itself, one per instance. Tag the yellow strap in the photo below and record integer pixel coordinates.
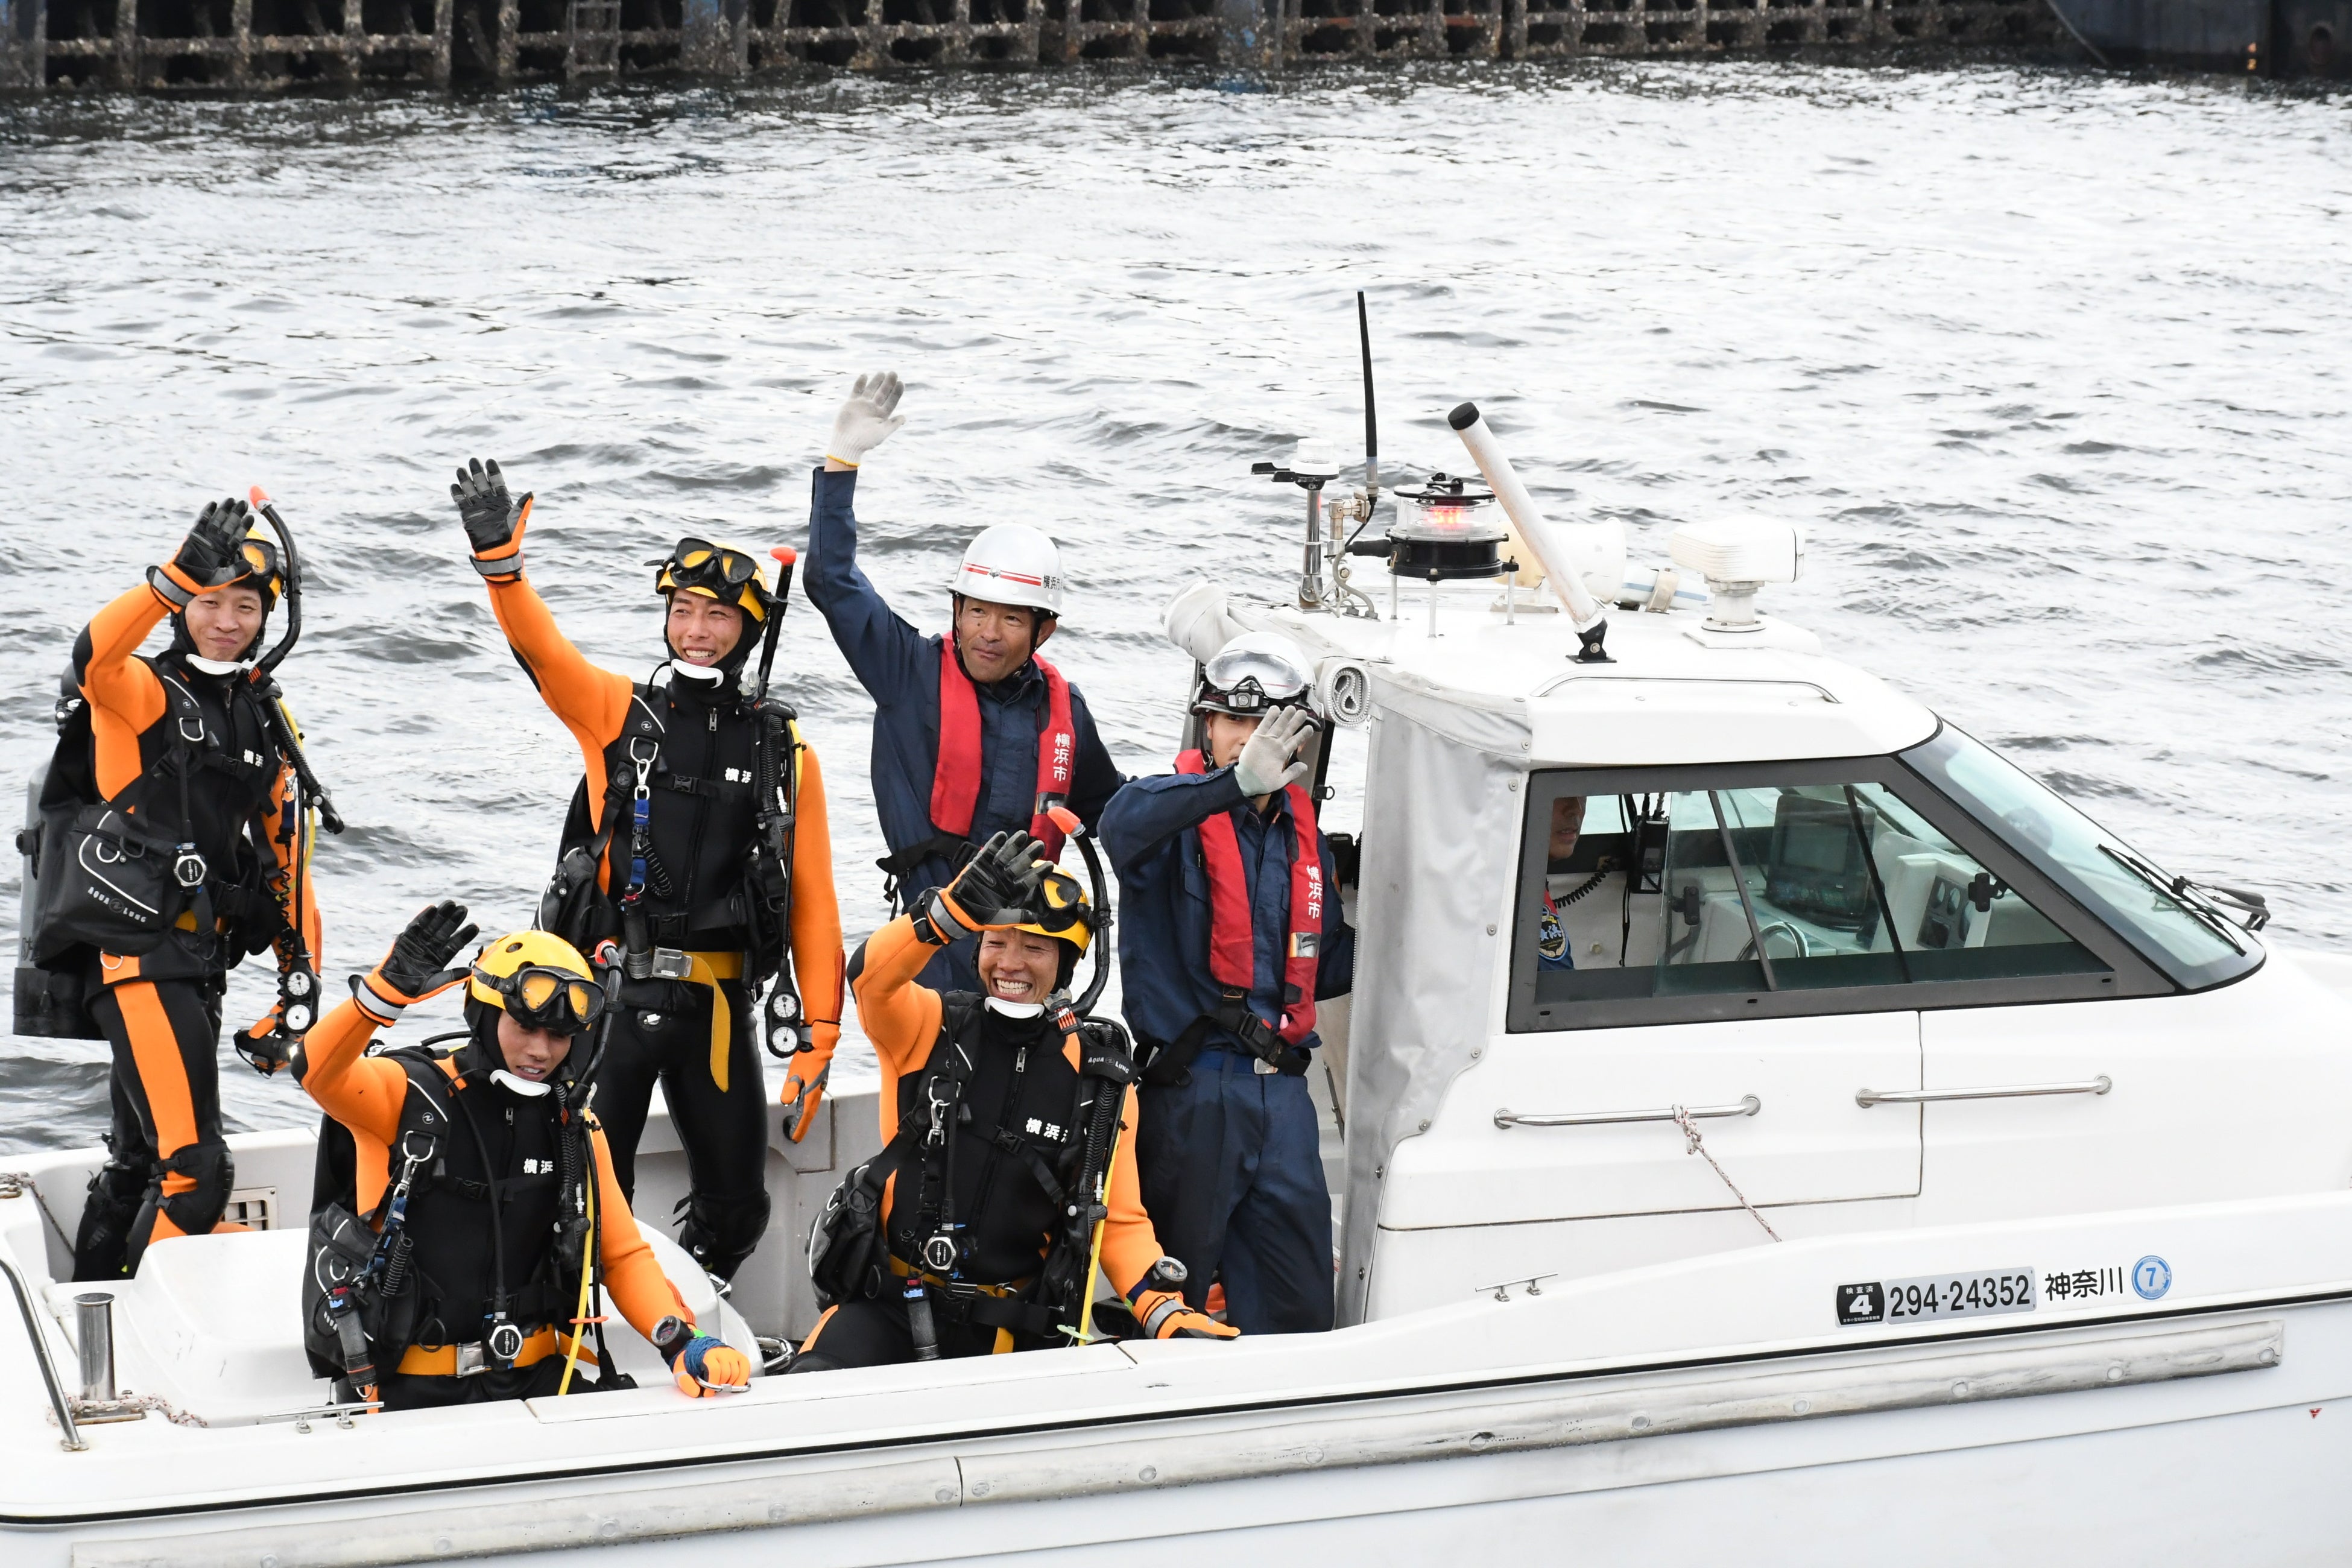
(441, 1360)
(709, 969)
(899, 1267)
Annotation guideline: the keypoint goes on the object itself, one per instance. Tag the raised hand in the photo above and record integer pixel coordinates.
(1267, 761)
(416, 967)
(867, 418)
(484, 505)
(207, 557)
(997, 887)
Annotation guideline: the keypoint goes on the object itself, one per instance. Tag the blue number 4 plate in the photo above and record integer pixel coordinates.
(1975, 1294)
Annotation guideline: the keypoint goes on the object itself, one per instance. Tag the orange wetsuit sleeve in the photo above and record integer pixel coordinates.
(816, 917)
(123, 694)
(592, 702)
(901, 1018)
(364, 1093)
(631, 1273)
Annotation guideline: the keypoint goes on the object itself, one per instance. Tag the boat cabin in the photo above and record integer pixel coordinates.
(1723, 941)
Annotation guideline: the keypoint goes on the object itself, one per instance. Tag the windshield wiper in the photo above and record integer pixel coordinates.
(2180, 891)
(2256, 907)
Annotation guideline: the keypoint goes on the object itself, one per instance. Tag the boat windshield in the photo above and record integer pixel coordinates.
(2180, 932)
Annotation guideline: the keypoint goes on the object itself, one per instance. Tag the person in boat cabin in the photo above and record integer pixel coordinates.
(180, 752)
(966, 1235)
(974, 732)
(690, 891)
(1230, 932)
(497, 1179)
(1551, 936)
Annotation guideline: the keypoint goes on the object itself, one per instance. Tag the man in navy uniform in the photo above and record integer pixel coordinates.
(973, 733)
(1230, 931)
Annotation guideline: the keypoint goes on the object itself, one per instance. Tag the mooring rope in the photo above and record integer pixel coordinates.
(1699, 1146)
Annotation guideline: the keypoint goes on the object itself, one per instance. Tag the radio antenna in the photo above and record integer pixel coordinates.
(1372, 418)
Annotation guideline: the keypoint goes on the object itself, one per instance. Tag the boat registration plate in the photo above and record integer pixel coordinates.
(1974, 1294)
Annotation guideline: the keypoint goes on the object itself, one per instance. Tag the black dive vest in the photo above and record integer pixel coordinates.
(207, 767)
(704, 755)
(454, 1265)
(1015, 1148)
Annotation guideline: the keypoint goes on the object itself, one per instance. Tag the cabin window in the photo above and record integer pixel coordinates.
(2185, 935)
(1649, 895)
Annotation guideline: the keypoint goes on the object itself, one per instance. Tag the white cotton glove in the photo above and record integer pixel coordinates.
(1265, 764)
(866, 418)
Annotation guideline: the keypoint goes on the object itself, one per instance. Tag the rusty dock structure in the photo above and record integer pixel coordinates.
(276, 46)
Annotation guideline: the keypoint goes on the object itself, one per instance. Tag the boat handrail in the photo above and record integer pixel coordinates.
(1866, 1097)
(73, 1441)
(1560, 683)
(1749, 1106)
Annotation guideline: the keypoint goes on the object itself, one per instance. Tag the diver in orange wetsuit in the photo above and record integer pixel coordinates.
(496, 1143)
(704, 904)
(181, 744)
(984, 1103)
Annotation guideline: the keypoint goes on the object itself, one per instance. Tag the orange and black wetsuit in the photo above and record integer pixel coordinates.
(494, 1147)
(150, 718)
(696, 1034)
(1022, 1090)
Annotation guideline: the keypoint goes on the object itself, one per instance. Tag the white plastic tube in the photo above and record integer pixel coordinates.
(1550, 550)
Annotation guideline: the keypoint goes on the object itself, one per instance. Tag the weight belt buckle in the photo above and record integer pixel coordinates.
(470, 1361)
(1263, 1069)
(672, 964)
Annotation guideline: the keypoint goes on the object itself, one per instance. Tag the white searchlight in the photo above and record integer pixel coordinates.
(1737, 556)
(1550, 551)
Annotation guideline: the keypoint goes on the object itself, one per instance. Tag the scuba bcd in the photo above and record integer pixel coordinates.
(364, 1299)
(577, 904)
(849, 1254)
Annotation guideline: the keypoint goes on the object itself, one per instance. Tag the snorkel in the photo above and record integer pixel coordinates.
(785, 559)
(268, 510)
(1099, 947)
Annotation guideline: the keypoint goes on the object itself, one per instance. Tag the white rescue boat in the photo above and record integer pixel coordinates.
(1845, 1147)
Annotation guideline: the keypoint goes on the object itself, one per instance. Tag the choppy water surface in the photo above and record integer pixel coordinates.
(2052, 364)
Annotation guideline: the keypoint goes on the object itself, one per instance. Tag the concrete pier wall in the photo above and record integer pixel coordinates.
(262, 46)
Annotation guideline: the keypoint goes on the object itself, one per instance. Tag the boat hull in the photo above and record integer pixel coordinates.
(2308, 39)
(2209, 1437)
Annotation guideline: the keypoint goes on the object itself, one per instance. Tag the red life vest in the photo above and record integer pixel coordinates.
(1232, 951)
(955, 781)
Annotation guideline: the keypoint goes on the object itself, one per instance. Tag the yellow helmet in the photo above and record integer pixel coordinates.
(539, 980)
(258, 563)
(1063, 911)
(717, 570)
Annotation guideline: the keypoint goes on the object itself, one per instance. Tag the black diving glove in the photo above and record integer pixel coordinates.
(207, 556)
(416, 968)
(264, 1048)
(484, 505)
(419, 959)
(997, 886)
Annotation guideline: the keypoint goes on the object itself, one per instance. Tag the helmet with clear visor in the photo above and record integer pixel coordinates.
(1254, 674)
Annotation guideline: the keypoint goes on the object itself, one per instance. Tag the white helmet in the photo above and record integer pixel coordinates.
(1253, 674)
(1012, 563)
